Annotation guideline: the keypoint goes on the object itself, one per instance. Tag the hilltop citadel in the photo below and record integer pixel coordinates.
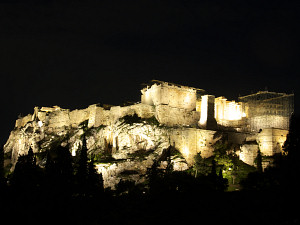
(188, 119)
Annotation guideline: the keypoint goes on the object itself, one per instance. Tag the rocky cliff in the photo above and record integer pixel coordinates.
(122, 150)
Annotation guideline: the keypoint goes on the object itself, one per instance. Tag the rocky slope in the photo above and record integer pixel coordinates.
(123, 150)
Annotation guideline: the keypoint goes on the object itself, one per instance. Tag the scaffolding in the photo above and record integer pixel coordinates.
(268, 109)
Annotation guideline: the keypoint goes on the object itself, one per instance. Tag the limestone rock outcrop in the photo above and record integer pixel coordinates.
(123, 150)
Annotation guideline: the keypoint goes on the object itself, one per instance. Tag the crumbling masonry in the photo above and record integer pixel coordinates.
(194, 120)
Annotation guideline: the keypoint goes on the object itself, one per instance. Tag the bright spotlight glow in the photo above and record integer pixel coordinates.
(74, 148)
(185, 150)
(40, 123)
(234, 111)
(228, 110)
(187, 99)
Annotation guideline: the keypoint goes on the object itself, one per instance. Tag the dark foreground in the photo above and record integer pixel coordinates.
(201, 208)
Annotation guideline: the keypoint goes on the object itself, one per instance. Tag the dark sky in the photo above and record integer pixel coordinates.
(74, 54)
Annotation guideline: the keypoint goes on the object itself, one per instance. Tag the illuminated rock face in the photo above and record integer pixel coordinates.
(248, 153)
(170, 115)
(133, 146)
(271, 140)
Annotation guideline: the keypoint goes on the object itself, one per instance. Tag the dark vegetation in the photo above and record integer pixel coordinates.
(68, 190)
(131, 119)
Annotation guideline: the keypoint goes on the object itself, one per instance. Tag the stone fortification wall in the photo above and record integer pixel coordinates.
(95, 115)
(22, 121)
(176, 117)
(78, 116)
(168, 94)
(271, 140)
(99, 116)
(142, 110)
(190, 141)
(268, 121)
(59, 118)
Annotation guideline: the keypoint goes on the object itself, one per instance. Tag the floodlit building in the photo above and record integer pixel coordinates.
(189, 119)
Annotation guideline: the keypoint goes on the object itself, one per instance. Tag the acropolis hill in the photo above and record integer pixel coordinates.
(185, 118)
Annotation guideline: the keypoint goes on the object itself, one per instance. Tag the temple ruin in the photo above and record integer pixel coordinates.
(190, 119)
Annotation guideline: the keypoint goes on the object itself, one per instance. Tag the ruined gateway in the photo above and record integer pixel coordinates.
(169, 115)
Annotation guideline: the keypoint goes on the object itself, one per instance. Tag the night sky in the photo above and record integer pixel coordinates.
(73, 54)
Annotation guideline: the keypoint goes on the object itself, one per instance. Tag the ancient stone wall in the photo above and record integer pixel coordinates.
(99, 116)
(78, 116)
(22, 121)
(176, 117)
(268, 121)
(168, 94)
(271, 140)
(59, 118)
(190, 141)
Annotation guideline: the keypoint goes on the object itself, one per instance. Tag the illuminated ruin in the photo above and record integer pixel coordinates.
(188, 118)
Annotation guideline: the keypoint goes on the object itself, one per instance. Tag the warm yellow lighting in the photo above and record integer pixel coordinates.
(228, 110)
(149, 141)
(40, 123)
(204, 104)
(234, 111)
(147, 96)
(185, 151)
(74, 148)
(187, 99)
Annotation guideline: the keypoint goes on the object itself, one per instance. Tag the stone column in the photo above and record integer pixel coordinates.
(207, 119)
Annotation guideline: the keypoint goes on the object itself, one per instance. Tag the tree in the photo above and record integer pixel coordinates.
(213, 168)
(59, 171)
(169, 169)
(217, 182)
(201, 165)
(292, 143)
(222, 183)
(154, 178)
(82, 167)
(94, 180)
(258, 161)
(289, 164)
(26, 174)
